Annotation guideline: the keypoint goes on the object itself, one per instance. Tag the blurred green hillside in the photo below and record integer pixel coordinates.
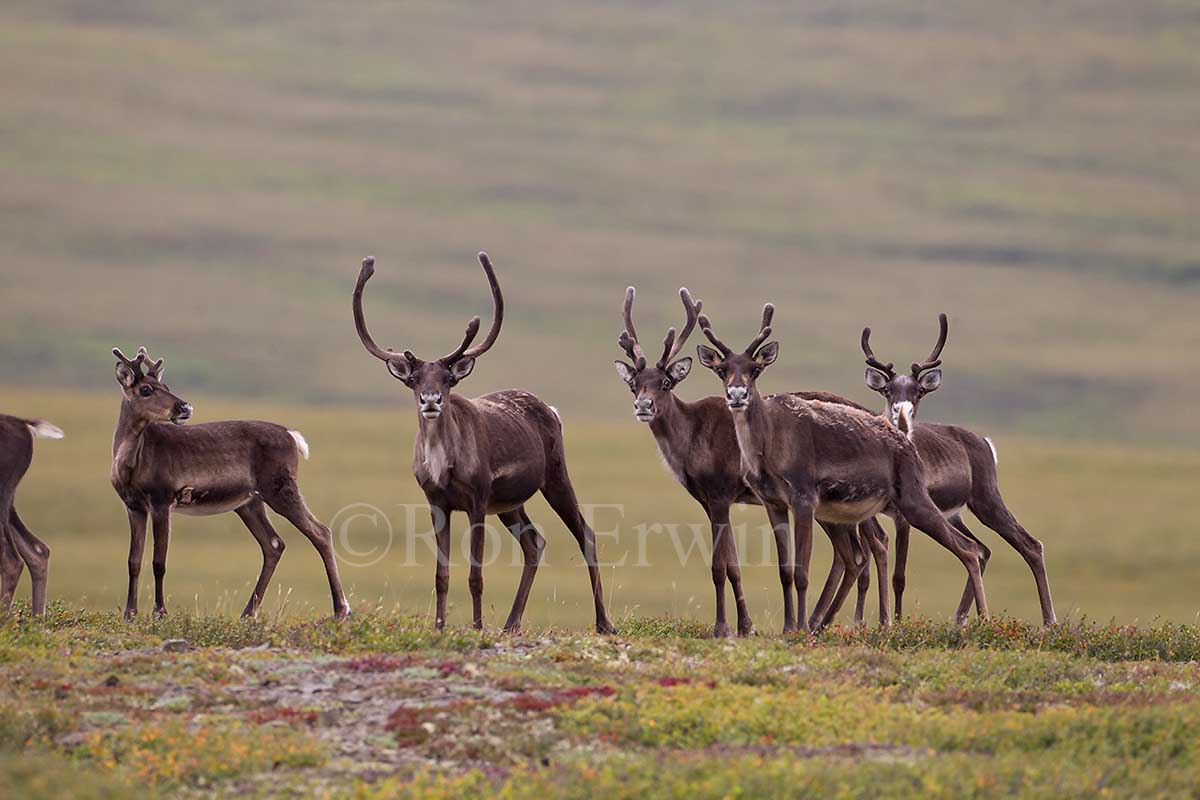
(204, 178)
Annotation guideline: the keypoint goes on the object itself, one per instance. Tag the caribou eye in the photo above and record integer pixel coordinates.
(721, 372)
(666, 384)
(146, 391)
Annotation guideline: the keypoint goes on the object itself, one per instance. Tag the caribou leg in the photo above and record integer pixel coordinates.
(899, 572)
(781, 527)
(161, 517)
(287, 501)
(964, 605)
(561, 496)
(992, 512)
(137, 545)
(532, 545)
(475, 576)
(35, 554)
(254, 516)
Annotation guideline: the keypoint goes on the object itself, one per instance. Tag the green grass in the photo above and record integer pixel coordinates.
(377, 706)
(1111, 554)
(1030, 170)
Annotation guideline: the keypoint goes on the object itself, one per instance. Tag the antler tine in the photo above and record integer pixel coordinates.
(629, 338)
(135, 363)
(706, 327)
(888, 368)
(668, 347)
(692, 309)
(468, 337)
(631, 349)
(764, 330)
(360, 322)
(151, 369)
(934, 360)
(498, 309)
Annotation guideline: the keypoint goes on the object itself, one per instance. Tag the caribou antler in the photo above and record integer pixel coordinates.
(764, 330)
(628, 340)
(706, 328)
(673, 346)
(888, 368)
(498, 308)
(934, 359)
(135, 363)
(360, 321)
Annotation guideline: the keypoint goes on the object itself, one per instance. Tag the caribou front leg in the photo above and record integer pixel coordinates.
(162, 538)
(137, 545)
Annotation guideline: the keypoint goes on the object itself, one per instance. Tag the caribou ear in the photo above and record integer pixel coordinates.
(767, 355)
(708, 357)
(680, 369)
(625, 372)
(931, 380)
(876, 380)
(400, 368)
(126, 376)
(462, 368)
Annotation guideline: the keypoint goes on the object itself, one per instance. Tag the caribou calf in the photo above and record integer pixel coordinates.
(18, 546)
(825, 460)
(160, 466)
(486, 455)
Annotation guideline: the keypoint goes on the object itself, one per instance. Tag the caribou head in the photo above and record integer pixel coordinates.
(431, 381)
(903, 392)
(739, 371)
(651, 384)
(146, 396)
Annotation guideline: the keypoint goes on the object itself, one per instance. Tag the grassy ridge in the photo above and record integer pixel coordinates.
(1121, 554)
(1031, 170)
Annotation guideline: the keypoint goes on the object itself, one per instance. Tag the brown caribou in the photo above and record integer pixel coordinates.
(960, 470)
(699, 446)
(160, 466)
(486, 455)
(18, 546)
(824, 460)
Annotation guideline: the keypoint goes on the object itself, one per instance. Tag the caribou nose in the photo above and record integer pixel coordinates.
(643, 407)
(182, 411)
(431, 398)
(735, 396)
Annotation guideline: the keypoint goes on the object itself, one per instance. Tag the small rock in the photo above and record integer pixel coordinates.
(112, 681)
(176, 646)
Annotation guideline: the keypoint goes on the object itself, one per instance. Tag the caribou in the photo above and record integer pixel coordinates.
(824, 460)
(160, 466)
(18, 546)
(699, 447)
(960, 470)
(485, 455)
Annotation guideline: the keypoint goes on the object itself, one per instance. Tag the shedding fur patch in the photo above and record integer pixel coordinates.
(301, 443)
(44, 430)
(995, 455)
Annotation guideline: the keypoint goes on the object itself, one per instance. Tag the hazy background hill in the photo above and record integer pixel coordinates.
(205, 177)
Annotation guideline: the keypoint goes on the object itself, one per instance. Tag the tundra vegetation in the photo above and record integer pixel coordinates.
(380, 705)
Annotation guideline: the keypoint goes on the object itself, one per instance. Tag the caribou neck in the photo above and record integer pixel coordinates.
(129, 428)
(753, 428)
(675, 424)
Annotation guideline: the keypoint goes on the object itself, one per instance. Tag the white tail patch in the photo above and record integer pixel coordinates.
(301, 443)
(557, 415)
(995, 455)
(44, 430)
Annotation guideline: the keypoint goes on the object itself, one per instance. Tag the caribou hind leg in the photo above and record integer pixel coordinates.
(285, 499)
(532, 545)
(35, 554)
(875, 537)
(561, 496)
(11, 565)
(968, 596)
(254, 515)
(992, 512)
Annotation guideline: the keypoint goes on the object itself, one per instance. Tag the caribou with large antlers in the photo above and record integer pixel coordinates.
(486, 455)
(18, 546)
(160, 466)
(960, 470)
(699, 445)
(826, 460)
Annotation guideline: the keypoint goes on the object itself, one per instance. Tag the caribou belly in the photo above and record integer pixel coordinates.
(850, 511)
